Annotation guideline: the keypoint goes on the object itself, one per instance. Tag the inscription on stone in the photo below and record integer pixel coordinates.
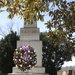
(29, 31)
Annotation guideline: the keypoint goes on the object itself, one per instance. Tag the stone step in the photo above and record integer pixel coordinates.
(28, 74)
(32, 70)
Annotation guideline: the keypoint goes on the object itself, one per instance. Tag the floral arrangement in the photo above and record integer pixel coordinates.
(25, 57)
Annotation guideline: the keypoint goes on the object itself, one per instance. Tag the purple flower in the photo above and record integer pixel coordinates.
(27, 48)
(23, 47)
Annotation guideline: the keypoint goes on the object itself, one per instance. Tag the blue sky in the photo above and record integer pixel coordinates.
(18, 23)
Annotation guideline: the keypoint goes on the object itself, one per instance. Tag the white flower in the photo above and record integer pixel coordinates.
(34, 61)
(30, 57)
(25, 62)
(28, 50)
(34, 50)
(16, 52)
(16, 66)
(21, 56)
(19, 59)
(20, 65)
(29, 65)
(20, 48)
(15, 59)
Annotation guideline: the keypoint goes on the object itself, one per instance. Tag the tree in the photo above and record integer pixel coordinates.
(54, 55)
(7, 47)
(63, 20)
(11, 25)
(4, 30)
(30, 10)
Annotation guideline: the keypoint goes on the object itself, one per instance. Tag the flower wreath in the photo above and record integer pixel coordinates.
(25, 57)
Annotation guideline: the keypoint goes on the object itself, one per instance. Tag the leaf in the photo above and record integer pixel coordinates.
(10, 16)
(55, 44)
(41, 17)
(20, 1)
(35, 3)
(5, 2)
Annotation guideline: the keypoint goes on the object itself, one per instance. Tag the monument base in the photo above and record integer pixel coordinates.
(27, 74)
(33, 71)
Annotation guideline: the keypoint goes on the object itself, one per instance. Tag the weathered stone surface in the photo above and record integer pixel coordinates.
(32, 70)
(27, 74)
(29, 33)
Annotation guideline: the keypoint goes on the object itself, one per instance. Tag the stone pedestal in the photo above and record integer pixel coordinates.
(33, 71)
(29, 35)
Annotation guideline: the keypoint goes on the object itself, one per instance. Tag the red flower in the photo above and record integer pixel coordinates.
(18, 56)
(31, 55)
(24, 50)
(24, 66)
(32, 64)
(20, 46)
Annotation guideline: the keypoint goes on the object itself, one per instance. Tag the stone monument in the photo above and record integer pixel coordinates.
(29, 35)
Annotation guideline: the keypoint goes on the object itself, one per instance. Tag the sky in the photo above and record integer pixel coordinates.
(6, 24)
